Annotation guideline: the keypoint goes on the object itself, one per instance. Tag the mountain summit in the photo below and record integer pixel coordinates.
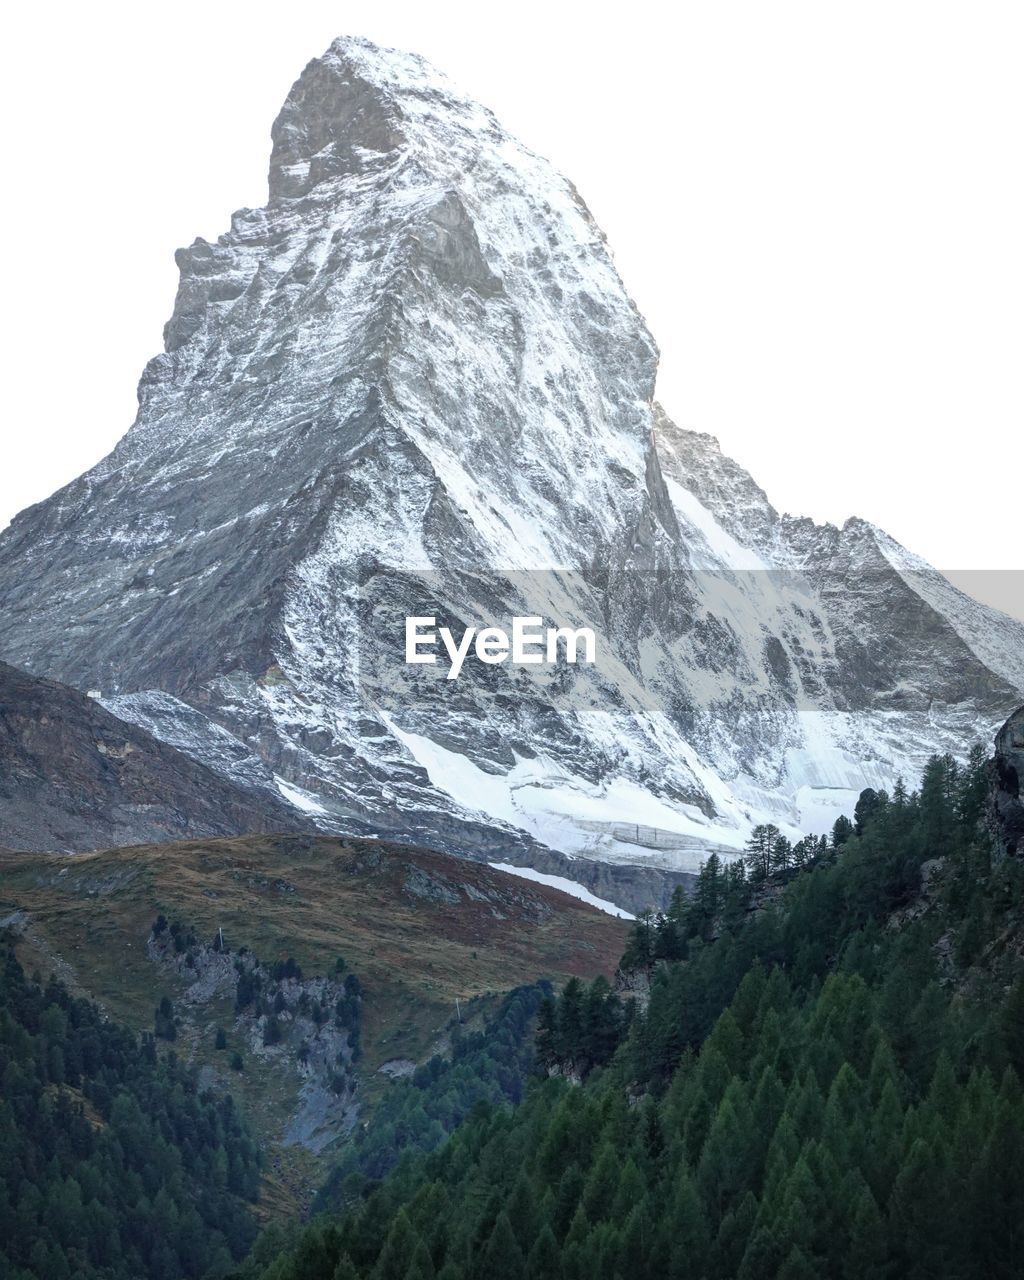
(414, 384)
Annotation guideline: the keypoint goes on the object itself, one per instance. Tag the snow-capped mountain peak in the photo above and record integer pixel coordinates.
(414, 384)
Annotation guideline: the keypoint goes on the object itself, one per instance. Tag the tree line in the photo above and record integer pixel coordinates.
(823, 1080)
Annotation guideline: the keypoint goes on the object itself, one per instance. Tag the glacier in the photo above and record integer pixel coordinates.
(413, 383)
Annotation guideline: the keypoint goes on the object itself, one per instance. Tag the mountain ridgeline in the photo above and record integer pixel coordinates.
(413, 383)
(74, 777)
(815, 1074)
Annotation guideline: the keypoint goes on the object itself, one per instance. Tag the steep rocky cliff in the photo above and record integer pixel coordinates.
(414, 384)
(1006, 808)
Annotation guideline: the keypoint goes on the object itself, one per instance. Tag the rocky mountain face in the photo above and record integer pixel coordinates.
(1006, 803)
(414, 384)
(73, 777)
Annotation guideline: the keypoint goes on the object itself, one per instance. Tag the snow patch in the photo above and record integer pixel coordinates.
(570, 887)
(298, 797)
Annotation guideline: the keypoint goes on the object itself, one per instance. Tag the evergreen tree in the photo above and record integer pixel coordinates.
(502, 1258)
(782, 855)
(868, 805)
(544, 1260)
(761, 850)
(804, 1091)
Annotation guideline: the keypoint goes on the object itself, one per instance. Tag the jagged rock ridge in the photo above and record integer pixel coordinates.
(413, 383)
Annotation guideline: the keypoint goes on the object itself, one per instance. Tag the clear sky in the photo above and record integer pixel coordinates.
(817, 206)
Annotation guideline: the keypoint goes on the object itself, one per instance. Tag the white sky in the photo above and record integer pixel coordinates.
(818, 207)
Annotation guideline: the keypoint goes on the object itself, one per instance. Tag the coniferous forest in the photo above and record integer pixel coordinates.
(113, 1163)
(810, 1066)
(812, 1069)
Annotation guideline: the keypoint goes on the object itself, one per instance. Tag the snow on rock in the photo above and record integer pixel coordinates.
(413, 383)
(566, 886)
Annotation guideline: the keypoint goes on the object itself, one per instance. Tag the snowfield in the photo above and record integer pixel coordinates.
(413, 384)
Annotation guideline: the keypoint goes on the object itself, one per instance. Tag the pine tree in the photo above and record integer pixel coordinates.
(940, 784)
(547, 1046)
(762, 1256)
(640, 950)
(972, 794)
(797, 1266)
(544, 1260)
(760, 850)
(725, 1164)
(163, 1020)
(422, 1266)
(731, 1241)
(522, 1212)
(602, 1184)
(782, 855)
(399, 1247)
(570, 1023)
(869, 804)
(707, 901)
(920, 1214)
(1012, 1025)
(688, 1240)
(601, 1019)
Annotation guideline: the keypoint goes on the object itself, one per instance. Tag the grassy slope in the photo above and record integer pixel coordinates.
(419, 929)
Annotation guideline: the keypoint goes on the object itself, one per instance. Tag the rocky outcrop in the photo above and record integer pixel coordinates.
(630, 886)
(1006, 804)
(74, 777)
(302, 1029)
(413, 384)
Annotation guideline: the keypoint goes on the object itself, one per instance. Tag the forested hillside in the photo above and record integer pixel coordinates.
(491, 1065)
(113, 1163)
(807, 1071)
(195, 931)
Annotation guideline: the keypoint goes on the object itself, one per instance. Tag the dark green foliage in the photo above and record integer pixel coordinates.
(807, 1093)
(417, 1114)
(266, 992)
(184, 937)
(761, 848)
(580, 1031)
(718, 902)
(869, 804)
(281, 970)
(112, 1164)
(248, 988)
(346, 1008)
(163, 1020)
